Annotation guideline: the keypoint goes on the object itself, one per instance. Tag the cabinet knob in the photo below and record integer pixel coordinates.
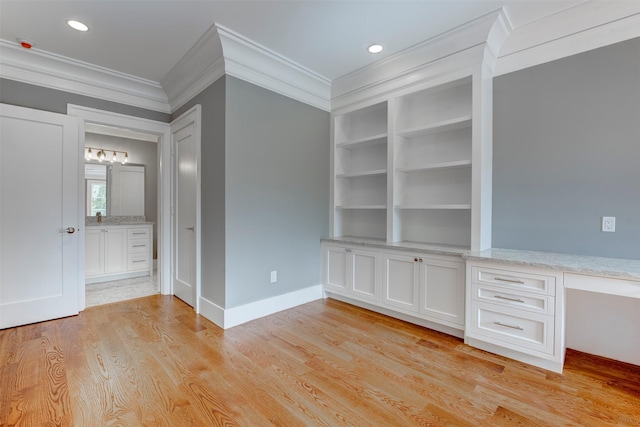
(415, 260)
(420, 259)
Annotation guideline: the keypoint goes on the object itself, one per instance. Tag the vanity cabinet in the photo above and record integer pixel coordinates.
(411, 285)
(116, 251)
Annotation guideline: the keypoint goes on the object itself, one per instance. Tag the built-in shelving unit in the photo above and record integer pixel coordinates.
(360, 172)
(403, 168)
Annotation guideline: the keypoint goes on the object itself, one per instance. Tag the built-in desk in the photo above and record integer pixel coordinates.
(530, 305)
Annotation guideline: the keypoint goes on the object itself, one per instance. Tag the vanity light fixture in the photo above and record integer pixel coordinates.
(375, 48)
(102, 155)
(77, 25)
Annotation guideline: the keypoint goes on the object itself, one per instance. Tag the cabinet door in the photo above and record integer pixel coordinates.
(115, 250)
(400, 282)
(93, 252)
(364, 277)
(442, 290)
(335, 268)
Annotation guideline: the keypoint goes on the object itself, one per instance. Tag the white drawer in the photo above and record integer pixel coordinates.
(139, 262)
(516, 280)
(512, 328)
(542, 304)
(139, 245)
(139, 233)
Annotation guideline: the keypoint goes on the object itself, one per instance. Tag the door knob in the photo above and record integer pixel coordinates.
(70, 230)
(190, 228)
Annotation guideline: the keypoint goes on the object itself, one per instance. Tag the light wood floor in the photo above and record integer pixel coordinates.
(152, 362)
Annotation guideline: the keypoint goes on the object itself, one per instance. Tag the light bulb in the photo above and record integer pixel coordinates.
(113, 159)
(126, 158)
(89, 154)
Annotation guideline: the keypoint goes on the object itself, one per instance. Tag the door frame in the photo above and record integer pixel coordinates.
(165, 178)
(192, 115)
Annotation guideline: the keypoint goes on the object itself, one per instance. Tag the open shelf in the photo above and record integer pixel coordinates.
(361, 206)
(362, 173)
(363, 142)
(434, 206)
(433, 166)
(441, 126)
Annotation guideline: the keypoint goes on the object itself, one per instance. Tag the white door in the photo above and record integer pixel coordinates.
(186, 148)
(39, 213)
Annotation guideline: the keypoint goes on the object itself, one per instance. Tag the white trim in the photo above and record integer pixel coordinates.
(86, 114)
(193, 115)
(59, 72)
(254, 310)
(457, 48)
(234, 316)
(119, 132)
(257, 64)
(569, 44)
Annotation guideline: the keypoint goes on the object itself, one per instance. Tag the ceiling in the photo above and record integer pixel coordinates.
(146, 38)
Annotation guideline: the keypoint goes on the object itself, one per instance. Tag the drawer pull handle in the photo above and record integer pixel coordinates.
(140, 233)
(508, 326)
(509, 299)
(500, 279)
(141, 260)
(139, 246)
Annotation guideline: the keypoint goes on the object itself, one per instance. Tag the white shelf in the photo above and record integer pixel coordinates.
(441, 165)
(363, 173)
(434, 206)
(363, 142)
(442, 126)
(361, 207)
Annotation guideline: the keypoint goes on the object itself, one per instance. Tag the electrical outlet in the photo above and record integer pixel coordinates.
(274, 276)
(609, 224)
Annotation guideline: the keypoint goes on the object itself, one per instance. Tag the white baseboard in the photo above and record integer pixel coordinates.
(234, 316)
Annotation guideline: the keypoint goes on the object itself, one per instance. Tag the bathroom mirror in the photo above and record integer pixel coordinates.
(114, 189)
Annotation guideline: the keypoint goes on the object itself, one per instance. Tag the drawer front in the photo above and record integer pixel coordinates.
(139, 246)
(516, 280)
(139, 233)
(542, 304)
(508, 326)
(139, 262)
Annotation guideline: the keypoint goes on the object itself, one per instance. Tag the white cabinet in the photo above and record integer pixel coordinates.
(422, 286)
(516, 312)
(351, 272)
(429, 286)
(114, 252)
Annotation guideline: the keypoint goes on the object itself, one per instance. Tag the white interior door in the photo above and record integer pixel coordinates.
(39, 213)
(185, 135)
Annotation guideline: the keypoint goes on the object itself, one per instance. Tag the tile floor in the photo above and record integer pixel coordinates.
(121, 290)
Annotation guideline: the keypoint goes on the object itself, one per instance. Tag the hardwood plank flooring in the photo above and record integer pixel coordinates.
(153, 362)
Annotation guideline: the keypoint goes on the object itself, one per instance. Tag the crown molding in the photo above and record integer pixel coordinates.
(263, 67)
(221, 51)
(584, 27)
(202, 65)
(460, 48)
(59, 72)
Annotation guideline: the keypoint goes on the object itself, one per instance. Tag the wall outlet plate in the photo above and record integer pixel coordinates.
(274, 276)
(609, 224)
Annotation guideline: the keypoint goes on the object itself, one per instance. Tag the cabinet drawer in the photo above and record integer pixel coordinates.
(512, 328)
(516, 280)
(139, 233)
(543, 304)
(139, 246)
(139, 262)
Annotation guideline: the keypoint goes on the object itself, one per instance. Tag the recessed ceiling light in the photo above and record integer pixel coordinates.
(77, 25)
(375, 48)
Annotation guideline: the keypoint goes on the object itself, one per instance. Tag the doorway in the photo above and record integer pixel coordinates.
(99, 122)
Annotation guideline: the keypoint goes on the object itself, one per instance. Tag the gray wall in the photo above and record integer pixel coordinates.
(42, 98)
(212, 102)
(140, 152)
(567, 152)
(277, 187)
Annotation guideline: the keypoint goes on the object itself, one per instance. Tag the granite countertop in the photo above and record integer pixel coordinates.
(611, 267)
(401, 246)
(92, 221)
(115, 224)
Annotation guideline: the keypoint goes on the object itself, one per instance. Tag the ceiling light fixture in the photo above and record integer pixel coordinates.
(77, 25)
(375, 48)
